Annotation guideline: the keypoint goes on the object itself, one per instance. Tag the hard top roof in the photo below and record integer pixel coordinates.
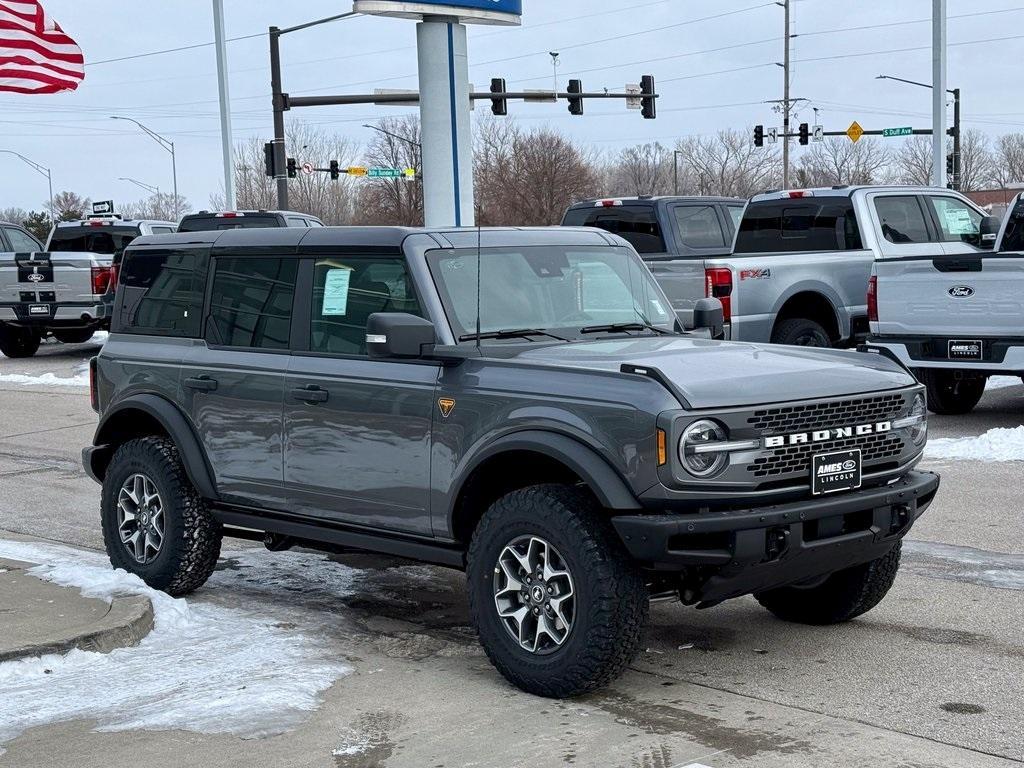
(659, 198)
(842, 191)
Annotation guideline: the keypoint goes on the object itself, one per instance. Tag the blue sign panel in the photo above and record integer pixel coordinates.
(511, 10)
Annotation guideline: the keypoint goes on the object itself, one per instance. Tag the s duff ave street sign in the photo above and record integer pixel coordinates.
(890, 132)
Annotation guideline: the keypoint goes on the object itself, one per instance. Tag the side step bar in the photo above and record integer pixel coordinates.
(325, 532)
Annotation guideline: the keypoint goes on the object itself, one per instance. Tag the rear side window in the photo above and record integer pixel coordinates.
(779, 226)
(161, 293)
(102, 240)
(699, 226)
(902, 219)
(295, 221)
(347, 291)
(637, 224)
(21, 241)
(251, 302)
(736, 214)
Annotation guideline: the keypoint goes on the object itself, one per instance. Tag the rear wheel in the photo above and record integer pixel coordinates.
(801, 332)
(155, 524)
(950, 396)
(842, 596)
(557, 603)
(76, 336)
(18, 342)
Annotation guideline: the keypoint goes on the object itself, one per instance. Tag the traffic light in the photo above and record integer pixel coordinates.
(950, 164)
(268, 159)
(805, 134)
(335, 170)
(293, 168)
(499, 105)
(648, 98)
(575, 102)
(758, 135)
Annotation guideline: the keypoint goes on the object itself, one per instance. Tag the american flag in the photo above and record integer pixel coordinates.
(35, 54)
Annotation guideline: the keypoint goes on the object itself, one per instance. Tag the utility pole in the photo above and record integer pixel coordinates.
(786, 105)
(225, 104)
(957, 157)
(939, 93)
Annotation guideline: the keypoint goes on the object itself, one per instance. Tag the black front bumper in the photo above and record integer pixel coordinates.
(737, 552)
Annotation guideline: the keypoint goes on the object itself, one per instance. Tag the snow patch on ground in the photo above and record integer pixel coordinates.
(215, 663)
(50, 379)
(999, 444)
(1002, 382)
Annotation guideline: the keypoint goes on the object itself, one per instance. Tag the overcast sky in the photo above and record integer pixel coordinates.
(712, 73)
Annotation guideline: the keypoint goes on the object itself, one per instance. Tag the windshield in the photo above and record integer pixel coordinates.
(565, 290)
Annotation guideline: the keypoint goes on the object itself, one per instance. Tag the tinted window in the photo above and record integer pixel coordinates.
(22, 241)
(251, 302)
(103, 240)
(1013, 235)
(161, 293)
(699, 226)
(958, 222)
(347, 291)
(775, 226)
(637, 224)
(215, 223)
(902, 220)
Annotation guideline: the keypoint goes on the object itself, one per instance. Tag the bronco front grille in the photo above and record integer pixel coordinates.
(797, 458)
(835, 413)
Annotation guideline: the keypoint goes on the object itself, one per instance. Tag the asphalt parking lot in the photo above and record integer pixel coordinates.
(932, 677)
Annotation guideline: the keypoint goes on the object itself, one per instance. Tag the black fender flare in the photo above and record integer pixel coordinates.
(608, 486)
(170, 417)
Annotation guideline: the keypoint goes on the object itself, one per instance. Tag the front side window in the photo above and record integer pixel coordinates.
(346, 291)
(699, 226)
(902, 219)
(958, 222)
(22, 241)
(161, 293)
(251, 302)
(558, 289)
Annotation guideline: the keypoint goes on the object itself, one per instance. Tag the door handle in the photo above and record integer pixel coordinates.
(201, 383)
(311, 394)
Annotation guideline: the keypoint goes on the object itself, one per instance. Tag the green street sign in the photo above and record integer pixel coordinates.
(890, 132)
(386, 173)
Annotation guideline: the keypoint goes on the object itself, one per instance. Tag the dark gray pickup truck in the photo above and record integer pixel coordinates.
(521, 404)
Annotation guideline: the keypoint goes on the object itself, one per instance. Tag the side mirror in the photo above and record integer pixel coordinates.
(399, 334)
(989, 231)
(708, 313)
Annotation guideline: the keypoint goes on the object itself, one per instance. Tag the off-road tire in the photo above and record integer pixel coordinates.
(612, 600)
(949, 397)
(843, 596)
(801, 332)
(18, 342)
(191, 542)
(76, 336)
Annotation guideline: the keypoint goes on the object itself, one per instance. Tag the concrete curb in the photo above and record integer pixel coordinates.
(127, 620)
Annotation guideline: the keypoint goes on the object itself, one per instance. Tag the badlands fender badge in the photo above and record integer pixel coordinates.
(447, 405)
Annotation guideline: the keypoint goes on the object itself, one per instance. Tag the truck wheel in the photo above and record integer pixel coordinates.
(948, 396)
(155, 524)
(557, 603)
(18, 342)
(800, 332)
(77, 336)
(842, 596)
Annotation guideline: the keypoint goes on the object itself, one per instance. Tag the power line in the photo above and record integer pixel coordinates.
(171, 50)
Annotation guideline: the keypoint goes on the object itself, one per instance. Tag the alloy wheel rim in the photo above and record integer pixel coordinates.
(140, 518)
(534, 594)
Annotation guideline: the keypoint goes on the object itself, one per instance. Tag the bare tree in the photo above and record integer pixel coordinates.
(157, 207)
(837, 160)
(13, 215)
(393, 201)
(645, 169)
(1008, 162)
(728, 164)
(913, 162)
(69, 206)
(977, 166)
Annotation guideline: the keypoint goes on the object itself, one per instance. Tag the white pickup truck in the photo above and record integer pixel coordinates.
(67, 289)
(955, 317)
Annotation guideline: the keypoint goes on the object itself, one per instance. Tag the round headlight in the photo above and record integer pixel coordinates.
(919, 431)
(698, 462)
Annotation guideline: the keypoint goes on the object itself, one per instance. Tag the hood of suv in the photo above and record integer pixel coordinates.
(715, 374)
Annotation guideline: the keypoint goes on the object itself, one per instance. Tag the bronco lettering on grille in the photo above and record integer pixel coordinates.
(824, 435)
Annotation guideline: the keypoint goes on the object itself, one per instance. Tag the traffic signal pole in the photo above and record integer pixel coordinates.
(280, 153)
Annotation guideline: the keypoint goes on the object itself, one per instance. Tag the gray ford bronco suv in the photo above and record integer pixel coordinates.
(521, 404)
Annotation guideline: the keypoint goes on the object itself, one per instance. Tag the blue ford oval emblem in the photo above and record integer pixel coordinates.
(961, 291)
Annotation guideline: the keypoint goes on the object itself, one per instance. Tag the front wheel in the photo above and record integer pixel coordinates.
(18, 342)
(950, 396)
(554, 597)
(800, 332)
(155, 524)
(842, 596)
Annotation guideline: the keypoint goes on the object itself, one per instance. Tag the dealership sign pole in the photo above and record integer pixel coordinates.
(444, 96)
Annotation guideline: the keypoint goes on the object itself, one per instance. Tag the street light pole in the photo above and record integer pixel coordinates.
(41, 170)
(225, 103)
(393, 135)
(148, 187)
(939, 92)
(168, 145)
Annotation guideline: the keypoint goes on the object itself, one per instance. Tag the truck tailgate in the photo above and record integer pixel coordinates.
(955, 296)
(48, 278)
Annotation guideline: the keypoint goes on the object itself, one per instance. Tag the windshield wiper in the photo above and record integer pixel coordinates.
(520, 333)
(614, 327)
